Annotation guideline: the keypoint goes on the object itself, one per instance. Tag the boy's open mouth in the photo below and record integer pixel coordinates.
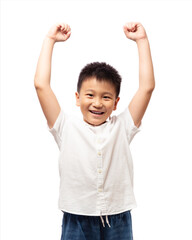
(96, 112)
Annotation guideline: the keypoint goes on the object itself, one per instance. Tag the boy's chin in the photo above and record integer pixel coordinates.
(95, 122)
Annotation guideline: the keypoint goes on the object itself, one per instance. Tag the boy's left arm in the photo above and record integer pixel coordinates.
(139, 102)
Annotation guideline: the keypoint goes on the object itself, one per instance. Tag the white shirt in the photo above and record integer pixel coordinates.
(95, 164)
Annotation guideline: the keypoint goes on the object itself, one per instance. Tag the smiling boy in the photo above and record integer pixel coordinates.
(97, 94)
(95, 163)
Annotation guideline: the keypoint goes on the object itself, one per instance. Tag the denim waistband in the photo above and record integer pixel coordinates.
(113, 217)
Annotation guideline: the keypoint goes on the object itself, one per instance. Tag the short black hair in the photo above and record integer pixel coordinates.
(102, 72)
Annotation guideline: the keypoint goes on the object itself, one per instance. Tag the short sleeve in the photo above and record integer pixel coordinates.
(130, 127)
(57, 129)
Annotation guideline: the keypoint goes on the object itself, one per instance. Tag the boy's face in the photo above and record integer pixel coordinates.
(97, 100)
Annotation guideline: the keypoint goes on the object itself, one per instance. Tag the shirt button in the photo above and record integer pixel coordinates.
(99, 153)
(99, 140)
(99, 171)
(100, 190)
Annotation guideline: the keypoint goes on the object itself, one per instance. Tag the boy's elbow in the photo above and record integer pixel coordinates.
(150, 90)
(36, 82)
(151, 87)
(147, 89)
(39, 84)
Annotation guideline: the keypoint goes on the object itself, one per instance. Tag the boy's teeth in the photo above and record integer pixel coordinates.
(96, 112)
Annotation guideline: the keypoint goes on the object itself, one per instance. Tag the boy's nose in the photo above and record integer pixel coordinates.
(97, 103)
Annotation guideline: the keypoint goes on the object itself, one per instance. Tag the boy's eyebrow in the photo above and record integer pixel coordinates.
(94, 91)
(108, 93)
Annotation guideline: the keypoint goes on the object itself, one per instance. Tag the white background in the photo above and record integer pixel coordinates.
(161, 151)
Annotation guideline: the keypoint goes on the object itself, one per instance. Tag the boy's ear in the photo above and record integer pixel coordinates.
(116, 102)
(77, 99)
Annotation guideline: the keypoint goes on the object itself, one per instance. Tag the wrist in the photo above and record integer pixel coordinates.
(142, 41)
(50, 39)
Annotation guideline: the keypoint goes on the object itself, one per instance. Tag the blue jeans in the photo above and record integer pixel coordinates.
(79, 227)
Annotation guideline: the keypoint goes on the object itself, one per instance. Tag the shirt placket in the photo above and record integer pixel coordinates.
(100, 178)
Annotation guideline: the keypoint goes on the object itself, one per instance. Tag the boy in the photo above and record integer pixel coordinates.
(95, 164)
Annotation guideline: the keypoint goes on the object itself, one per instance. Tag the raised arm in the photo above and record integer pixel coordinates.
(47, 99)
(140, 101)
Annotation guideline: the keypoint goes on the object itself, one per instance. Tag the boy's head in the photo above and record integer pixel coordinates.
(102, 72)
(97, 93)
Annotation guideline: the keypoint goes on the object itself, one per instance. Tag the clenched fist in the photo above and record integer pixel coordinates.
(134, 31)
(59, 32)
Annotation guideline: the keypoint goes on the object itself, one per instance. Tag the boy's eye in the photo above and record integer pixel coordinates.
(90, 95)
(106, 97)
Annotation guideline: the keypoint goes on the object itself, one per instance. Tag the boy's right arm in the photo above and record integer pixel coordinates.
(47, 99)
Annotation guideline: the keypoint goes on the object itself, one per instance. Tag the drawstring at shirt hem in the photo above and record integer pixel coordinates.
(106, 218)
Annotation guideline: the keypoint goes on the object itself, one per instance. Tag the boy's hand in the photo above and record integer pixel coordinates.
(59, 32)
(134, 31)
